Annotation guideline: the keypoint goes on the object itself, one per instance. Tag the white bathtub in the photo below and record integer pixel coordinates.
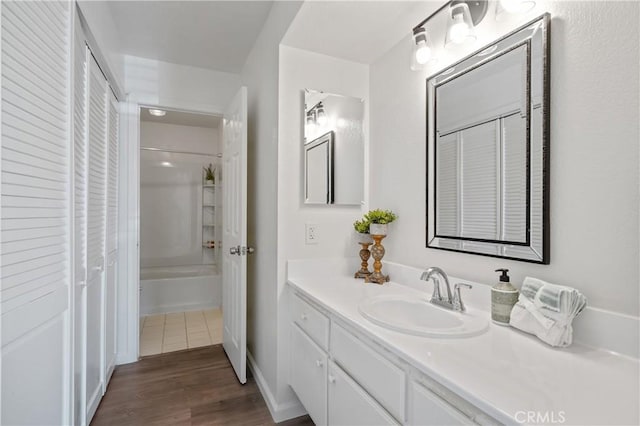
(179, 289)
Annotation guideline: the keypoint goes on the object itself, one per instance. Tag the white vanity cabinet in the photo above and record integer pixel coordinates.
(343, 378)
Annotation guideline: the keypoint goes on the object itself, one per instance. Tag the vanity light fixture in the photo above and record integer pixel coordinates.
(157, 112)
(462, 18)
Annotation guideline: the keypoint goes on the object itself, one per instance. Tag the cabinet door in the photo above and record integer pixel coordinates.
(426, 408)
(349, 404)
(309, 375)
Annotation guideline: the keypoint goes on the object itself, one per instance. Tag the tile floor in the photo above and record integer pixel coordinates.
(182, 330)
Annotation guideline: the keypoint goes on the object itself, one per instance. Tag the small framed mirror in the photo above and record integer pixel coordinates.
(488, 149)
(333, 149)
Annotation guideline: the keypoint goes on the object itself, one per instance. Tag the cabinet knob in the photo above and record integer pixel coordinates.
(318, 363)
(332, 379)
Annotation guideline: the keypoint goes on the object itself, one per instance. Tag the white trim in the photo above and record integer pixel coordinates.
(128, 231)
(129, 219)
(93, 402)
(279, 412)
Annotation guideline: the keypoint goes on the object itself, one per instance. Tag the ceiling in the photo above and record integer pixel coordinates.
(182, 118)
(359, 31)
(216, 35)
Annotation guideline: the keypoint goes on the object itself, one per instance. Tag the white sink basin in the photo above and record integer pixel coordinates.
(419, 317)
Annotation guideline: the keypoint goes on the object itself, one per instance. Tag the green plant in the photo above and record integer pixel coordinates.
(378, 216)
(209, 173)
(381, 217)
(361, 226)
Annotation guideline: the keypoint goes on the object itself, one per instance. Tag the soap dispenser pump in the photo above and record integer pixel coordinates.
(503, 297)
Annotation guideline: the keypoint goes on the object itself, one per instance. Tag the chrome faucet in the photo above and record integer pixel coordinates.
(453, 302)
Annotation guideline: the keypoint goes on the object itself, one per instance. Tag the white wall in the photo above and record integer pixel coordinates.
(260, 75)
(300, 69)
(183, 87)
(594, 155)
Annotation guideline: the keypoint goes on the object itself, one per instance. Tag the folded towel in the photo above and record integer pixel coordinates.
(547, 310)
(554, 297)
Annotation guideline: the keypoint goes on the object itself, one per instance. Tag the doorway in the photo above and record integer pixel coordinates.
(180, 218)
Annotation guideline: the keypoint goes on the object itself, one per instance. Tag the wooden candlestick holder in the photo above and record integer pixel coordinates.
(364, 271)
(377, 251)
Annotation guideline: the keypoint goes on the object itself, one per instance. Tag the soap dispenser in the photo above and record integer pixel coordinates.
(503, 297)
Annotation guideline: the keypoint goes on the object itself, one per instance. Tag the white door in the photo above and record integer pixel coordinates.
(111, 249)
(96, 228)
(234, 234)
(36, 181)
(80, 61)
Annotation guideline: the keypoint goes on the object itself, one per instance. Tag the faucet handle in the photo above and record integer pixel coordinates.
(457, 298)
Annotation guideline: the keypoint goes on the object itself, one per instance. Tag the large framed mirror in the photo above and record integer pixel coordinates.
(333, 149)
(488, 149)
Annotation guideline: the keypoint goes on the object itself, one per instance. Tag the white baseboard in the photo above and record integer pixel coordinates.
(279, 412)
(126, 358)
(92, 404)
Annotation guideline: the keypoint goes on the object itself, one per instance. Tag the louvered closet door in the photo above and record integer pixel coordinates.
(80, 220)
(96, 228)
(112, 239)
(36, 213)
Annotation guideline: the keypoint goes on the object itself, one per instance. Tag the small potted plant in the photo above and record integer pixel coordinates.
(362, 230)
(378, 221)
(209, 175)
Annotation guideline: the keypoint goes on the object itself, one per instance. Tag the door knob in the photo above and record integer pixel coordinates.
(251, 250)
(235, 250)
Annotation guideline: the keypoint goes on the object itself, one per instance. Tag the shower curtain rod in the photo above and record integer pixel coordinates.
(144, 148)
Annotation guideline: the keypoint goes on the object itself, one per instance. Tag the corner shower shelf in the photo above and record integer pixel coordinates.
(210, 199)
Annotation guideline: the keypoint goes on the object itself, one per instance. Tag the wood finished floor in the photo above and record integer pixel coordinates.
(192, 387)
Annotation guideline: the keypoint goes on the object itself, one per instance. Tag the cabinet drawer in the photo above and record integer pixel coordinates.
(350, 405)
(309, 375)
(377, 375)
(426, 409)
(314, 323)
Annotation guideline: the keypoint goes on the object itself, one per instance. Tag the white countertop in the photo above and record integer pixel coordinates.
(504, 372)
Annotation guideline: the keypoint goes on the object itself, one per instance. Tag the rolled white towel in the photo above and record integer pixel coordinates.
(556, 298)
(547, 311)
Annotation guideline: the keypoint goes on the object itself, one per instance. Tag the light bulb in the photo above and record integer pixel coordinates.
(157, 112)
(423, 53)
(322, 116)
(459, 30)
